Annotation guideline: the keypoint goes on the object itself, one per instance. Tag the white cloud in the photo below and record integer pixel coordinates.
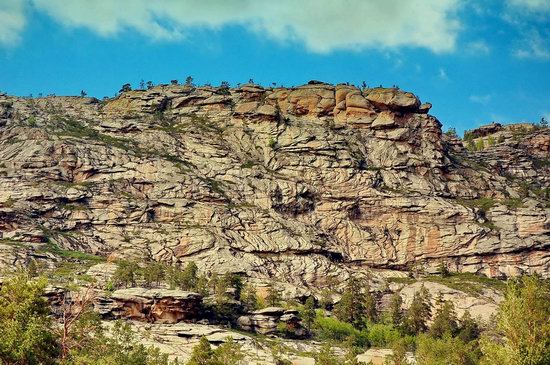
(530, 5)
(481, 99)
(478, 48)
(321, 25)
(534, 45)
(12, 21)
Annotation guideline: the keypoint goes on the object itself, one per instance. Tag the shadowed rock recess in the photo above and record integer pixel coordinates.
(305, 184)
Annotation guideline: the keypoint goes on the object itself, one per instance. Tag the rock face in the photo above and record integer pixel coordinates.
(304, 184)
(481, 306)
(150, 305)
(271, 320)
(178, 340)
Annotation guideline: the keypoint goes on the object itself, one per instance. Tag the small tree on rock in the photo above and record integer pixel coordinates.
(125, 88)
(126, 273)
(308, 313)
(189, 276)
(273, 297)
(250, 297)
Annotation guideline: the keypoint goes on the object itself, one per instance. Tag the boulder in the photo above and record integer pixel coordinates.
(393, 99)
(271, 321)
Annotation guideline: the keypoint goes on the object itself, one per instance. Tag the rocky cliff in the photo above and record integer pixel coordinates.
(305, 184)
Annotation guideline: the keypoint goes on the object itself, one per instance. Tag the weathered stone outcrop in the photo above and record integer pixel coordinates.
(273, 321)
(306, 184)
(150, 305)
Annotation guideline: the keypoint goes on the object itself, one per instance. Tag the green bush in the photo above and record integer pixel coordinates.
(523, 328)
(26, 329)
(382, 335)
(445, 351)
(329, 328)
(228, 353)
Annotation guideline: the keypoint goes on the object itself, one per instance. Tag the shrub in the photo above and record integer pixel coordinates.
(383, 335)
(446, 351)
(523, 329)
(328, 328)
(26, 330)
(228, 353)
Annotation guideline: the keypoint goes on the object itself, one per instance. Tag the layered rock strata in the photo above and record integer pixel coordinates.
(305, 184)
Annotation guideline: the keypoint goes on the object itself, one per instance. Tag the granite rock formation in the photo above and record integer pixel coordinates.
(305, 184)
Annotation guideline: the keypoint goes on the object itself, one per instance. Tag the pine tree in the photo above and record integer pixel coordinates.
(418, 313)
(273, 297)
(174, 277)
(153, 273)
(480, 144)
(399, 355)
(395, 312)
(189, 276)
(202, 285)
(371, 314)
(189, 81)
(326, 299)
(250, 297)
(445, 321)
(125, 88)
(351, 308)
(308, 313)
(235, 282)
(126, 273)
(202, 353)
(229, 353)
(468, 328)
(326, 356)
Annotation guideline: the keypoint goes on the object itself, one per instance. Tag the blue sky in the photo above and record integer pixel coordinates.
(476, 61)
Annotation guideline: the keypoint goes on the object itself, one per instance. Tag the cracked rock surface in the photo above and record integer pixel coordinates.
(305, 184)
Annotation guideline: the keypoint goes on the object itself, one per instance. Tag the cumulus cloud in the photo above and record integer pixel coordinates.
(321, 25)
(12, 21)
